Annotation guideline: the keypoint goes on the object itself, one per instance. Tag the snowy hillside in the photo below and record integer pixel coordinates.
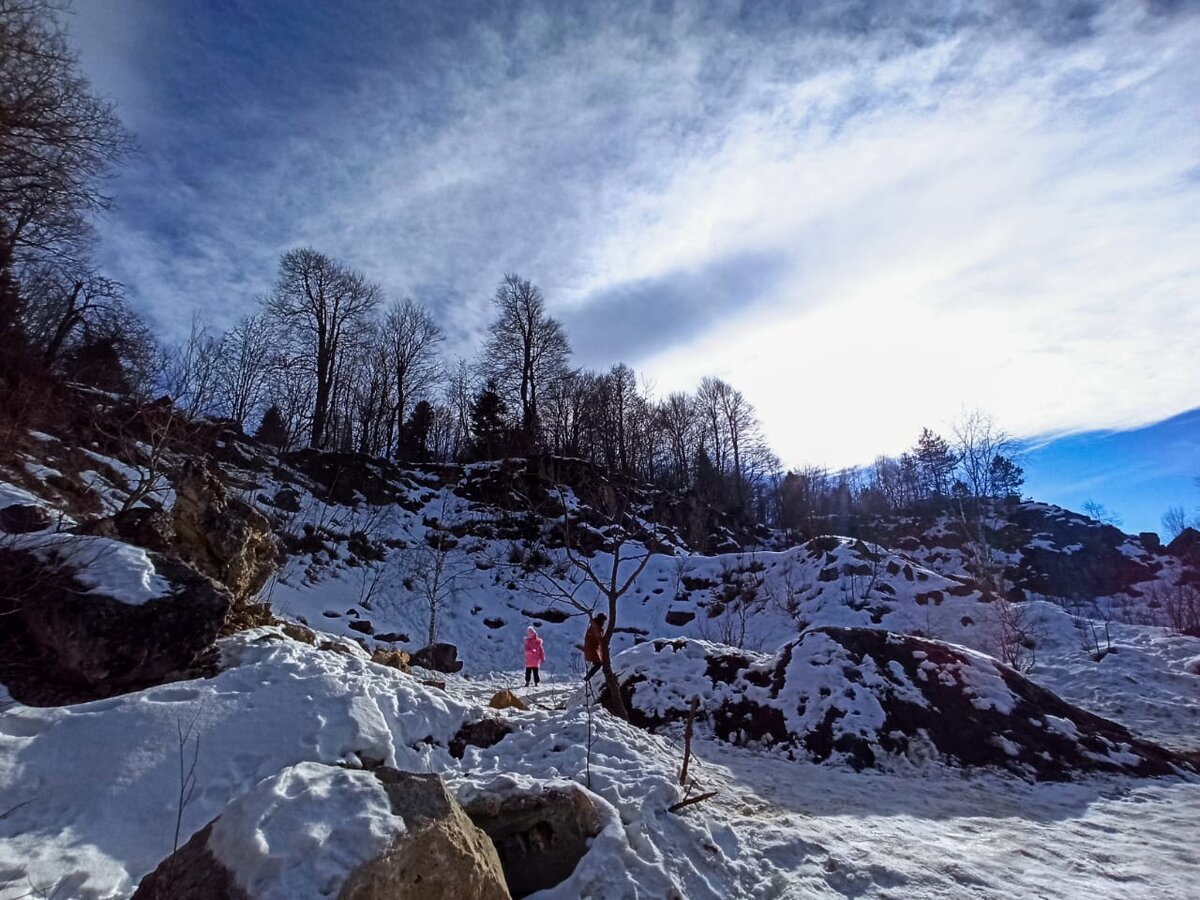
(256, 738)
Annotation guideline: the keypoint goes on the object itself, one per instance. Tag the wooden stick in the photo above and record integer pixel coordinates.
(687, 740)
(682, 803)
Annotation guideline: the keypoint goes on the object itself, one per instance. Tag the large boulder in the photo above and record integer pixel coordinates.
(102, 616)
(540, 834)
(316, 831)
(872, 699)
(222, 536)
(438, 657)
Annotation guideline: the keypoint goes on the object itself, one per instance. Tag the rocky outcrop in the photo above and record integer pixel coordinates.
(438, 657)
(353, 478)
(386, 835)
(81, 635)
(872, 699)
(540, 834)
(220, 535)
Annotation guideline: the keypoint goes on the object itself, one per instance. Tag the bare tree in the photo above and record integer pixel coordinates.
(57, 140)
(322, 305)
(435, 572)
(526, 350)
(603, 577)
(192, 369)
(677, 420)
(977, 444)
(243, 368)
(411, 338)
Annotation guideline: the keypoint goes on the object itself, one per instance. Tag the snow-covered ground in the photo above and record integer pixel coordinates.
(89, 794)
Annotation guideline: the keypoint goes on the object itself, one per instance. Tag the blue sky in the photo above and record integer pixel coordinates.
(866, 215)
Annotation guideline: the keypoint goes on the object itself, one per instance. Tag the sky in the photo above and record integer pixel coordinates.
(867, 216)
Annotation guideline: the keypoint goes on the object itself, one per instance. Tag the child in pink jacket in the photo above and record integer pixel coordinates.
(535, 655)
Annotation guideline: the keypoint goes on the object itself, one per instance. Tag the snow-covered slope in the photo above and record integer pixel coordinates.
(89, 793)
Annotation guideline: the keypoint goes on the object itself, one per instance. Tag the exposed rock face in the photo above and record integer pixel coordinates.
(540, 836)
(438, 657)
(870, 698)
(23, 518)
(222, 536)
(62, 630)
(1186, 545)
(387, 835)
(351, 478)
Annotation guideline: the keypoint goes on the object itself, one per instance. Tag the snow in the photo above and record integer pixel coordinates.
(88, 793)
(272, 838)
(107, 567)
(100, 781)
(10, 494)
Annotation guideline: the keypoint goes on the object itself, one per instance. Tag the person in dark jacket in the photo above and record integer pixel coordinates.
(593, 645)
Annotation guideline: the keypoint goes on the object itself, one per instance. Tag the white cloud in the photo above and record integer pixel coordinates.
(979, 218)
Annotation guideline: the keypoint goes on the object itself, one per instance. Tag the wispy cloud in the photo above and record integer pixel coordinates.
(864, 215)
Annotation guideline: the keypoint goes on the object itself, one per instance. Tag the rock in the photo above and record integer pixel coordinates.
(552, 615)
(362, 626)
(1186, 545)
(74, 633)
(23, 518)
(142, 526)
(679, 617)
(438, 657)
(442, 855)
(392, 637)
(191, 873)
(506, 700)
(397, 659)
(385, 835)
(871, 699)
(300, 633)
(287, 500)
(222, 536)
(484, 733)
(494, 623)
(540, 836)
(1150, 540)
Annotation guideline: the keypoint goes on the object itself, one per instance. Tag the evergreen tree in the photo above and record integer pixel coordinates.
(489, 424)
(273, 430)
(416, 432)
(935, 462)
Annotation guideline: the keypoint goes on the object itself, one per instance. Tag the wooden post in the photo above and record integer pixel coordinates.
(687, 740)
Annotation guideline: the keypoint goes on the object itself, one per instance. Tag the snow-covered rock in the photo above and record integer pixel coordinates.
(96, 616)
(316, 831)
(872, 699)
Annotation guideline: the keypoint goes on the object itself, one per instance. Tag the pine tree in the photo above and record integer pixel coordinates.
(273, 430)
(489, 424)
(416, 432)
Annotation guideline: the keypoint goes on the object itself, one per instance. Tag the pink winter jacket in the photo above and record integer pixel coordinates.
(535, 653)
